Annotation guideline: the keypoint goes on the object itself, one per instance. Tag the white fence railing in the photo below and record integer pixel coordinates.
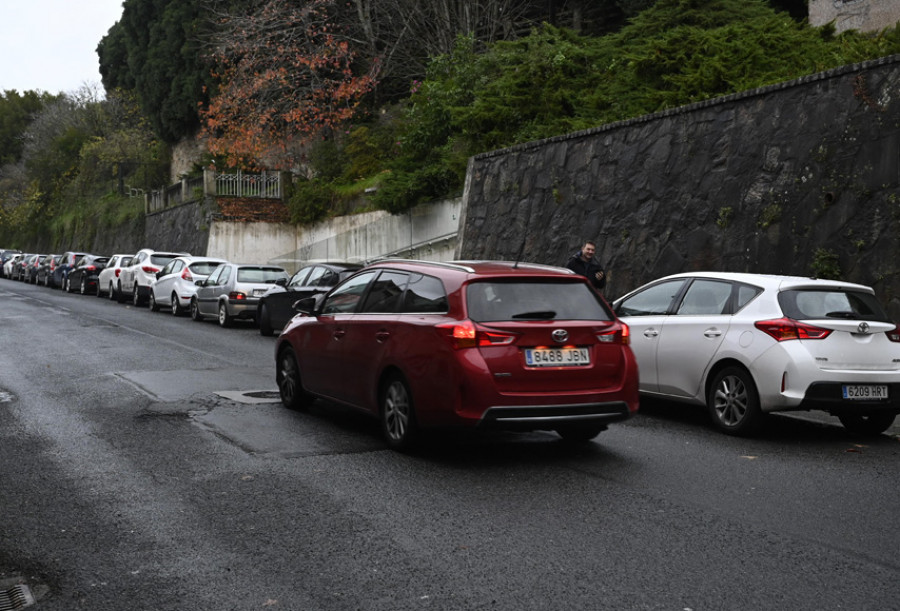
(266, 185)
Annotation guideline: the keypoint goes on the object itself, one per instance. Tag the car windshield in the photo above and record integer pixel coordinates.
(161, 259)
(533, 300)
(204, 267)
(260, 274)
(831, 303)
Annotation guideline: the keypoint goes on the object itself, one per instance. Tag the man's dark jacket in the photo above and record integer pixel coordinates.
(588, 269)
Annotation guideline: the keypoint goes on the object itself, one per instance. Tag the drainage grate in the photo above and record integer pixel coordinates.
(17, 597)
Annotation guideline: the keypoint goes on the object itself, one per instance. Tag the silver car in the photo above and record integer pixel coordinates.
(232, 292)
(176, 283)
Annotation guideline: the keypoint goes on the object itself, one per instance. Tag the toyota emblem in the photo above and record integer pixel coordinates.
(863, 328)
(560, 336)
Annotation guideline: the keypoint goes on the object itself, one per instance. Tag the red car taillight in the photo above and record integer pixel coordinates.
(118, 270)
(186, 275)
(465, 334)
(616, 335)
(236, 295)
(894, 334)
(90, 268)
(149, 269)
(784, 329)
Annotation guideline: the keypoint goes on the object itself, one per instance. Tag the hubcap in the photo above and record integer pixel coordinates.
(731, 400)
(396, 411)
(288, 382)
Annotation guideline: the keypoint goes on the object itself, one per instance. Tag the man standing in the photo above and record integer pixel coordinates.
(584, 263)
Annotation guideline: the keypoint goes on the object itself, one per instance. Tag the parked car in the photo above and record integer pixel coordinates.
(86, 273)
(45, 269)
(471, 344)
(275, 307)
(18, 268)
(136, 278)
(64, 266)
(745, 345)
(107, 281)
(232, 292)
(30, 268)
(6, 255)
(175, 284)
(11, 263)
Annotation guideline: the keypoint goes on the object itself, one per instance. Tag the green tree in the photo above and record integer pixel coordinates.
(16, 113)
(156, 49)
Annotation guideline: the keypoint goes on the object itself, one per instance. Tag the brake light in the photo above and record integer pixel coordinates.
(186, 275)
(784, 329)
(465, 334)
(616, 335)
(149, 269)
(90, 268)
(118, 271)
(894, 334)
(234, 295)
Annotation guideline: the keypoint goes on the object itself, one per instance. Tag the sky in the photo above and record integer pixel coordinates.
(51, 45)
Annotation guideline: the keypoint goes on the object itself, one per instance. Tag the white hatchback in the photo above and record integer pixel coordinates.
(745, 345)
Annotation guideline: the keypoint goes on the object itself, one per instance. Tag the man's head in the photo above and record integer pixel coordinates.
(588, 250)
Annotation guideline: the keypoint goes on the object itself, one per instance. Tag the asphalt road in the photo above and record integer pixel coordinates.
(137, 473)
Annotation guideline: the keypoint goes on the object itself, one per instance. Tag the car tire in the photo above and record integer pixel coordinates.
(177, 310)
(99, 292)
(154, 307)
(195, 311)
(290, 386)
(114, 293)
(47, 281)
(867, 424)
(82, 288)
(580, 433)
(397, 414)
(733, 402)
(136, 300)
(265, 322)
(225, 319)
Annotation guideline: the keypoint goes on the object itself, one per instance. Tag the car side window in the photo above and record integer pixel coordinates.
(346, 297)
(214, 278)
(225, 275)
(314, 276)
(745, 294)
(705, 297)
(299, 278)
(425, 294)
(384, 294)
(329, 278)
(653, 301)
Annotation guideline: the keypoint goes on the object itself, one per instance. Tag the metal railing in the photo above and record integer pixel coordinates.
(265, 185)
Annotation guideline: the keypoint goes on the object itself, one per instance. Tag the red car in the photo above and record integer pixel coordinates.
(475, 344)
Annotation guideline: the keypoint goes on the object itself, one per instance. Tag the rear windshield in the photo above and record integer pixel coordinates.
(536, 300)
(204, 267)
(161, 259)
(260, 274)
(831, 303)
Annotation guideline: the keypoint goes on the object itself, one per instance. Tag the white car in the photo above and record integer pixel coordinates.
(107, 281)
(175, 284)
(136, 278)
(10, 263)
(745, 345)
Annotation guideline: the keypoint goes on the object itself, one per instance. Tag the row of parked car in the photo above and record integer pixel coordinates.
(512, 345)
(199, 286)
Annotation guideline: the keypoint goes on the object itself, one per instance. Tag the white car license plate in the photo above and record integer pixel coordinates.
(860, 391)
(557, 357)
(259, 292)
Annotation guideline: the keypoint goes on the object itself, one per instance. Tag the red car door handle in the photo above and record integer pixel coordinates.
(382, 336)
(338, 334)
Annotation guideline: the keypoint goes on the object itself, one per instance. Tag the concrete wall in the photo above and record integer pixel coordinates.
(428, 231)
(776, 180)
(862, 15)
